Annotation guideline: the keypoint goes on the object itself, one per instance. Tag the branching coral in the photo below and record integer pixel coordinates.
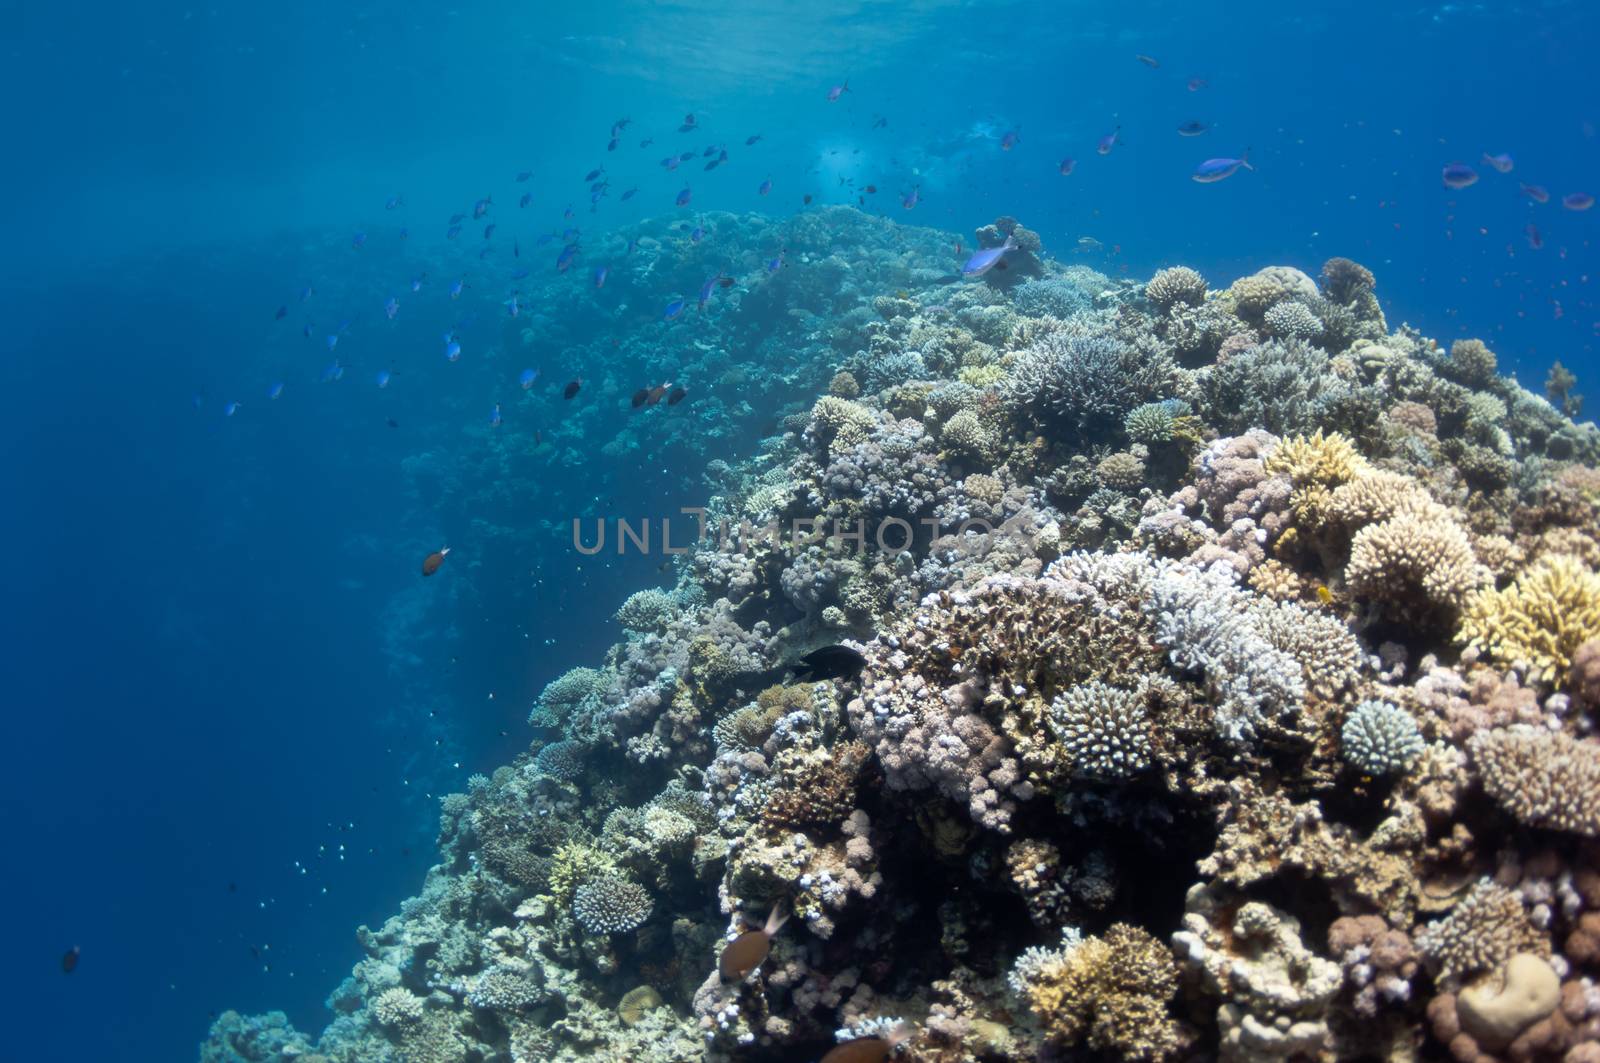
(1484, 930)
(1543, 778)
(1380, 739)
(1104, 730)
(1541, 619)
(1110, 994)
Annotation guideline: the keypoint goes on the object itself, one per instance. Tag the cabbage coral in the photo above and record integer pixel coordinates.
(1542, 618)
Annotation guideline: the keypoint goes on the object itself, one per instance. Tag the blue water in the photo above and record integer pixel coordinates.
(220, 662)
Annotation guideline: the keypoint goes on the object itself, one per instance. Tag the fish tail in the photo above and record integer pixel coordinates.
(1244, 160)
(775, 920)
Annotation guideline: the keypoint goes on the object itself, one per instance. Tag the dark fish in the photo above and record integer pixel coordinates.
(1459, 175)
(431, 563)
(523, 175)
(872, 190)
(571, 389)
(860, 1050)
(69, 962)
(677, 396)
(655, 394)
(391, 422)
(612, 144)
(806, 199)
(283, 312)
(830, 662)
(640, 396)
(527, 197)
(1192, 128)
(751, 140)
(750, 949)
(592, 174)
(725, 282)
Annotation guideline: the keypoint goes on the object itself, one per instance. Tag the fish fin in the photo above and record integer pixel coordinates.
(1244, 160)
(775, 920)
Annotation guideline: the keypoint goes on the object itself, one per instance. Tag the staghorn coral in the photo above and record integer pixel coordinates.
(1543, 778)
(1541, 619)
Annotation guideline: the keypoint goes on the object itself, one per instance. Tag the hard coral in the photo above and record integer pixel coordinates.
(1104, 730)
(1110, 994)
(1541, 619)
(1543, 778)
(1380, 739)
(1484, 930)
(1176, 285)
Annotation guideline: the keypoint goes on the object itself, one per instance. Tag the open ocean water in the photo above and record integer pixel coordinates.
(232, 700)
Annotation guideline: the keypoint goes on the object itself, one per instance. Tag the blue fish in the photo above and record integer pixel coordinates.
(488, 230)
(306, 332)
(452, 351)
(1067, 166)
(391, 203)
(481, 207)
(633, 245)
(456, 219)
(526, 379)
(564, 259)
(452, 232)
(383, 378)
(513, 307)
(544, 238)
(596, 172)
(333, 372)
(416, 282)
(391, 307)
(697, 234)
(683, 197)
(1213, 170)
(455, 289)
(611, 145)
(566, 214)
(306, 293)
(527, 197)
(1109, 141)
(983, 261)
(674, 310)
(519, 273)
(600, 274)
(275, 389)
(1010, 139)
(230, 409)
(705, 291)
(494, 416)
(524, 175)
(913, 199)
(1192, 128)
(775, 264)
(332, 340)
(765, 187)
(670, 162)
(751, 139)
(629, 194)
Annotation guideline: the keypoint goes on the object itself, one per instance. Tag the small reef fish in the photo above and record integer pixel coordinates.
(455, 289)
(838, 90)
(874, 1049)
(431, 563)
(306, 293)
(806, 199)
(683, 197)
(1196, 84)
(764, 188)
(775, 264)
(677, 396)
(1192, 128)
(670, 162)
(751, 139)
(1109, 141)
(830, 662)
(333, 372)
(1537, 193)
(674, 310)
(1010, 140)
(611, 145)
(283, 312)
(384, 377)
(1149, 61)
(1214, 170)
(488, 230)
(1577, 201)
(986, 259)
(494, 416)
(629, 194)
(1459, 175)
(600, 274)
(69, 960)
(452, 232)
(513, 306)
(1501, 162)
(231, 408)
(416, 282)
(391, 307)
(564, 259)
(1067, 166)
(913, 198)
(452, 350)
(750, 949)
(697, 234)
(332, 340)
(705, 292)
(523, 175)
(1535, 240)
(275, 389)
(526, 379)
(481, 207)
(725, 281)
(688, 123)
(392, 203)
(527, 197)
(879, 122)
(571, 389)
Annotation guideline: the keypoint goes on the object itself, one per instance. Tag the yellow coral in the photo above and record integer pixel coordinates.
(982, 376)
(1541, 618)
(1329, 460)
(1379, 495)
(1110, 993)
(573, 865)
(1392, 560)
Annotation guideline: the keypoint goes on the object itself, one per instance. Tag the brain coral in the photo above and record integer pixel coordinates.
(1543, 778)
(1380, 739)
(1542, 618)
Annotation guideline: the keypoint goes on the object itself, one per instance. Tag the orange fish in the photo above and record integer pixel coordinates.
(750, 949)
(431, 563)
(874, 1049)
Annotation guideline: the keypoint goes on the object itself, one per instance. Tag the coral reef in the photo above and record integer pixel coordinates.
(1228, 663)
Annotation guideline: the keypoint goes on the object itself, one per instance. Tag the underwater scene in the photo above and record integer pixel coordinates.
(933, 531)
